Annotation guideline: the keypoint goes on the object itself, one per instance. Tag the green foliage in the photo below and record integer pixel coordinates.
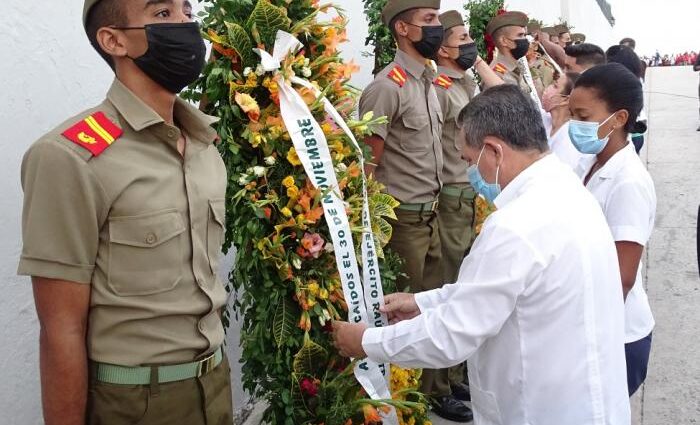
(480, 13)
(380, 38)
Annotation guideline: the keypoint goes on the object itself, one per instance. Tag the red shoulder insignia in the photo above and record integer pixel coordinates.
(398, 75)
(500, 68)
(443, 81)
(95, 133)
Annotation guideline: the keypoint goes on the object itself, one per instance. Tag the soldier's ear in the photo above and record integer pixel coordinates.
(442, 53)
(401, 28)
(112, 41)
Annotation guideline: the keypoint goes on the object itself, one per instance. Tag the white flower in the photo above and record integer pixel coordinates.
(306, 72)
(307, 61)
(259, 70)
(270, 160)
(259, 171)
(329, 248)
(243, 180)
(322, 321)
(341, 168)
(247, 71)
(296, 262)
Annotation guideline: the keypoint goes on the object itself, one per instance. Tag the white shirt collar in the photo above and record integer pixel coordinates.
(518, 185)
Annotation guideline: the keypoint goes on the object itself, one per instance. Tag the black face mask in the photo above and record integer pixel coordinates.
(430, 41)
(467, 55)
(175, 56)
(521, 48)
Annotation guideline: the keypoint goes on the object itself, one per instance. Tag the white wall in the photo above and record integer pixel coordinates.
(49, 72)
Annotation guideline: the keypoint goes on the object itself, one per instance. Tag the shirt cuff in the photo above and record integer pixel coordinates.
(372, 343)
(629, 234)
(55, 270)
(428, 300)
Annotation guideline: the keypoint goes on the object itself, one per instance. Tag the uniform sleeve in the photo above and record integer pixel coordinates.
(630, 212)
(383, 100)
(63, 206)
(456, 319)
(471, 87)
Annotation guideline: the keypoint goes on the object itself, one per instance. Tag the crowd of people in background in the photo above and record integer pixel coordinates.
(678, 59)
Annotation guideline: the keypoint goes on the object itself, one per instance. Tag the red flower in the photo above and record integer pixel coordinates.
(309, 387)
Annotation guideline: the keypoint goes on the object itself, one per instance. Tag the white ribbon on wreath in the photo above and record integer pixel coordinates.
(312, 148)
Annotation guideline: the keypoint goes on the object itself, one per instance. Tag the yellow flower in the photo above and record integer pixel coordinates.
(288, 182)
(314, 288)
(257, 140)
(293, 192)
(286, 212)
(323, 294)
(293, 158)
(248, 105)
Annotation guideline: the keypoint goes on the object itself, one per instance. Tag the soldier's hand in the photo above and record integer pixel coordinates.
(400, 306)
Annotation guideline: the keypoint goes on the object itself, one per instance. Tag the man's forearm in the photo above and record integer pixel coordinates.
(64, 378)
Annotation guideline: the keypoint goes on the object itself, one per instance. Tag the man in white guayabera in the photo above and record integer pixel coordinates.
(537, 308)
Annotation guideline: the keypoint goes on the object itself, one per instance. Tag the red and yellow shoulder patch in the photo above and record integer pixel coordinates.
(398, 75)
(500, 68)
(443, 81)
(95, 133)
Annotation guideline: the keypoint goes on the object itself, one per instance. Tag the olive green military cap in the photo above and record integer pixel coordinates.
(451, 19)
(87, 6)
(394, 7)
(578, 38)
(533, 26)
(549, 30)
(561, 29)
(508, 19)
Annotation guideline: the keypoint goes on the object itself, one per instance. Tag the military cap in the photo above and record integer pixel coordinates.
(451, 19)
(394, 7)
(87, 6)
(533, 26)
(549, 30)
(508, 19)
(578, 38)
(561, 29)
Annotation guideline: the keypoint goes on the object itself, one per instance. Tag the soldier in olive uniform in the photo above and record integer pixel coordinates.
(455, 88)
(563, 35)
(509, 34)
(407, 158)
(578, 38)
(123, 223)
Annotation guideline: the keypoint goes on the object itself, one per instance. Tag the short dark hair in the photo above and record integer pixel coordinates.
(507, 113)
(619, 89)
(629, 41)
(405, 16)
(625, 56)
(571, 79)
(586, 54)
(104, 14)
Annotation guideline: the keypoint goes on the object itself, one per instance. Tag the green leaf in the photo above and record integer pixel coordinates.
(240, 42)
(310, 359)
(268, 19)
(283, 321)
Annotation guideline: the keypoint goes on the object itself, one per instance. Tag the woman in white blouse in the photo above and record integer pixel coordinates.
(605, 104)
(556, 116)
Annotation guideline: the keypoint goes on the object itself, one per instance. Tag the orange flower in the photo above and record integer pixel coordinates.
(371, 415)
(354, 170)
(314, 214)
(248, 105)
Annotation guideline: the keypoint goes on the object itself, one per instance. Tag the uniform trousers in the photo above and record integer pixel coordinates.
(456, 225)
(416, 239)
(198, 401)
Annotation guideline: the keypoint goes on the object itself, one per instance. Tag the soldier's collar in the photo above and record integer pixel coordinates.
(412, 66)
(510, 63)
(141, 116)
(455, 75)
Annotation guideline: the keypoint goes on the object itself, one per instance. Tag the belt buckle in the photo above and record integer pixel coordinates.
(207, 365)
(434, 205)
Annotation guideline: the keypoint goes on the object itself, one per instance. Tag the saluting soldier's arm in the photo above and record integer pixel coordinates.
(487, 74)
(554, 50)
(64, 208)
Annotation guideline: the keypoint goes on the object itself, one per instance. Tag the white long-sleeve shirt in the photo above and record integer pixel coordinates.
(537, 309)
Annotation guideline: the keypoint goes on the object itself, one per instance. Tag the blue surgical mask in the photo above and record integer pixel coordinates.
(584, 136)
(488, 190)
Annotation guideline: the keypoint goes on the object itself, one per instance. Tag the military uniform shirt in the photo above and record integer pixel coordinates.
(452, 100)
(140, 223)
(509, 70)
(411, 166)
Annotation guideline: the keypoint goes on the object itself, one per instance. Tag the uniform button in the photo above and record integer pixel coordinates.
(171, 133)
(151, 238)
(201, 326)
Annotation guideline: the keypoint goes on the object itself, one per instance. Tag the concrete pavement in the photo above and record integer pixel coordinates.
(671, 394)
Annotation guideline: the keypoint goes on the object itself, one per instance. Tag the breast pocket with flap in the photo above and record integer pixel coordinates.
(145, 253)
(215, 232)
